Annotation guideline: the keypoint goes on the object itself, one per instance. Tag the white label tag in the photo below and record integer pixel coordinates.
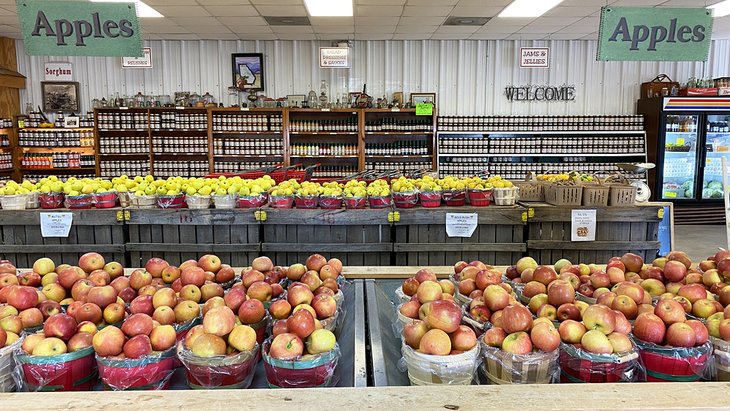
(583, 225)
(56, 224)
(461, 224)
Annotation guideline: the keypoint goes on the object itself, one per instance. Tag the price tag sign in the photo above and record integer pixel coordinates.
(583, 225)
(461, 224)
(56, 224)
(424, 109)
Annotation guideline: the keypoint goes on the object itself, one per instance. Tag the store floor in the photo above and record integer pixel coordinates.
(699, 241)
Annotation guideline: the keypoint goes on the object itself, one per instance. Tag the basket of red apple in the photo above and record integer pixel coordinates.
(60, 358)
(320, 275)
(301, 356)
(517, 350)
(546, 285)
(428, 290)
(138, 356)
(671, 347)
(598, 349)
(9, 342)
(220, 353)
(486, 309)
(475, 278)
(438, 349)
(718, 326)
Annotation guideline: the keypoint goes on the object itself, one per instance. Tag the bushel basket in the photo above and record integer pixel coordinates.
(578, 366)
(501, 367)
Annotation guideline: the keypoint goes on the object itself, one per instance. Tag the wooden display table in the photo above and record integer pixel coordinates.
(639, 396)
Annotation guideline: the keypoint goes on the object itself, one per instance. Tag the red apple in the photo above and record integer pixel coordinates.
(137, 324)
(571, 331)
(599, 317)
(516, 318)
(494, 337)
(22, 297)
(286, 346)
(108, 342)
(701, 333)
(113, 313)
(517, 343)
(301, 323)
(670, 312)
(212, 263)
(62, 326)
(463, 338)
(91, 261)
(251, 312)
(681, 335)
(650, 328)
(435, 342)
(413, 332)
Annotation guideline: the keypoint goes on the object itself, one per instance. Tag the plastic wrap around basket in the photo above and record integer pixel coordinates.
(281, 201)
(306, 202)
(721, 359)
(50, 200)
(401, 295)
(380, 201)
(309, 372)
(405, 200)
(501, 367)
(31, 202)
(105, 200)
(197, 202)
(7, 366)
(430, 199)
(225, 202)
(252, 201)
(578, 366)
(454, 198)
(480, 198)
(330, 202)
(674, 364)
(14, 202)
(424, 369)
(74, 371)
(222, 372)
(81, 202)
(356, 203)
(172, 201)
(151, 372)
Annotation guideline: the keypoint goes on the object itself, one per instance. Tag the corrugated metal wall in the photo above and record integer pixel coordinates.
(468, 76)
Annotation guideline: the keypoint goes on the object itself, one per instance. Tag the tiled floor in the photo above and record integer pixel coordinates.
(699, 241)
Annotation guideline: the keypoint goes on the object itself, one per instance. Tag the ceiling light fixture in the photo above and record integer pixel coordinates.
(329, 8)
(528, 8)
(143, 10)
(720, 9)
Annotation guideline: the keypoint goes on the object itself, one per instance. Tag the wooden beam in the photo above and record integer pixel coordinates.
(328, 247)
(192, 248)
(592, 245)
(456, 247)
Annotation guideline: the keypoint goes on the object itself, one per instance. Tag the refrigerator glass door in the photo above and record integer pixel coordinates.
(718, 146)
(680, 156)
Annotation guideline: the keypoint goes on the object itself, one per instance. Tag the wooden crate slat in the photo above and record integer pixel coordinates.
(445, 247)
(591, 245)
(61, 248)
(327, 247)
(192, 248)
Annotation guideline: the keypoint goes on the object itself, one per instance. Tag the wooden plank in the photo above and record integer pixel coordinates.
(591, 245)
(401, 236)
(27, 249)
(554, 213)
(422, 238)
(191, 248)
(324, 248)
(92, 217)
(194, 217)
(341, 216)
(446, 247)
(486, 215)
(354, 239)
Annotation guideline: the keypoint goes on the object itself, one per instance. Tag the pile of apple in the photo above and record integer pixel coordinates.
(139, 336)
(668, 325)
(423, 288)
(299, 335)
(474, 277)
(515, 332)
(551, 295)
(207, 269)
(601, 331)
(220, 334)
(61, 334)
(7, 338)
(718, 325)
(439, 332)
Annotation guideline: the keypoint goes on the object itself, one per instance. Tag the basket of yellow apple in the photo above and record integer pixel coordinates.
(453, 191)
(505, 193)
(480, 191)
(355, 194)
(169, 193)
(104, 195)
(379, 194)
(50, 193)
(78, 193)
(405, 193)
(252, 193)
(13, 196)
(198, 198)
(31, 201)
(429, 192)
(307, 196)
(142, 193)
(331, 197)
(124, 186)
(282, 196)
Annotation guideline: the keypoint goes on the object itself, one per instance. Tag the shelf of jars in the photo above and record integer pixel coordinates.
(6, 149)
(246, 138)
(530, 124)
(329, 137)
(399, 139)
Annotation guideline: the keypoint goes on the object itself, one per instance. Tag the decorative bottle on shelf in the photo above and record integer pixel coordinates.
(323, 94)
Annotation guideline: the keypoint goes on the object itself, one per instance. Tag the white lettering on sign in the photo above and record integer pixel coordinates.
(139, 62)
(461, 224)
(56, 224)
(534, 57)
(58, 71)
(334, 57)
(583, 225)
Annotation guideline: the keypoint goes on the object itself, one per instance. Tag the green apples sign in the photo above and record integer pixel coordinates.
(79, 28)
(654, 34)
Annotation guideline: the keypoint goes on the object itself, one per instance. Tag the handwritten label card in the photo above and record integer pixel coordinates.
(461, 224)
(583, 226)
(56, 224)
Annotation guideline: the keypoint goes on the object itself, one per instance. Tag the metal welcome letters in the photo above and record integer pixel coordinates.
(74, 28)
(540, 93)
(654, 34)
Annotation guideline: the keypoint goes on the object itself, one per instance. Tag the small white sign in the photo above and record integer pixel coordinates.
(59, 71)
(461, 224)
(139, 62)
(583, 225)
(56, 224)
(71, 122)
(534, 57)
(334, 57)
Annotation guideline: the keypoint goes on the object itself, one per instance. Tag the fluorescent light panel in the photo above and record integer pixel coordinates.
(720, 9)
(528, 8)
(143, 10)
(329, 8)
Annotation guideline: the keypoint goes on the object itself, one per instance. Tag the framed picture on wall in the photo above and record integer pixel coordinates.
(248, 71)
(295, 100)
(419, 98)
(60, 95)
(398, 99)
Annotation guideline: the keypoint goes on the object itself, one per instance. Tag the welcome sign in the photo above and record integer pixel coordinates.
(654, 34)
(75, 28)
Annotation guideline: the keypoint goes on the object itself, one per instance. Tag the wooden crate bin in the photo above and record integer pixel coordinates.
(91, 230)
(182, 234)
(357, 237)
(421, 239)
(618, 230)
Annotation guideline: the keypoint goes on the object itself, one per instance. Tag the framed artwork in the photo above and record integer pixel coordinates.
(248, 71)
(353, 97)
(419, 98)
(60, 95)
(398, 98)
(295, 100)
